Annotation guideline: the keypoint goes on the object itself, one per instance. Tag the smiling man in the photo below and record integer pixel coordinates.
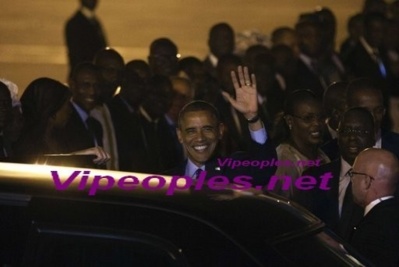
(71, 128)
(200, 131)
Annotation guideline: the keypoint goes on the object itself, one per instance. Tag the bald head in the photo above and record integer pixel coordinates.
(377, 175)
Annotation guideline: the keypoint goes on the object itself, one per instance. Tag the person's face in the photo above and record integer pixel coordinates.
(307, 123)
(164, 61)
(85, 89)
(157, 101)
(133, 90)
(310, 41)
(354, 135)
(5, 107)
(373, 102)
(290, 39)
(221, 42)
(111, 74)
(199, 133)
(375, 33)
(90, 4)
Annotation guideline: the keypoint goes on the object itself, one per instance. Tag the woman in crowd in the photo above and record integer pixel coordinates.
(41, 99)
(301, 125)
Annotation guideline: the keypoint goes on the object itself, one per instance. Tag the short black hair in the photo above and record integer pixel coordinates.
(365, 113)
(83, 66)
(198, 105)
(296, 97)
(162, 42)
(361, 84)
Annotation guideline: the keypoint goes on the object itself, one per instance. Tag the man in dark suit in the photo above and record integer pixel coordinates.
(367, 93)
(123, 108)
(221, 42)
(200, 130)
(369, 58)
(375, 176)
(84, 35)
(317, 67)
(335, 206)
(72, 129)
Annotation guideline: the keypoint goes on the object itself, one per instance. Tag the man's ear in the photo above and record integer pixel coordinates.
(179, 135)
(221, 129)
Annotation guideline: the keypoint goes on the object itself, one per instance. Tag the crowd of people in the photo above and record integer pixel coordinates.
(305, 100)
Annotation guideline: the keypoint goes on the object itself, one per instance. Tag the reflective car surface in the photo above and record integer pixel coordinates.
(49, 220)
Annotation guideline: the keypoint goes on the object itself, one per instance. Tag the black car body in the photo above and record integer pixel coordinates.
(42, 226)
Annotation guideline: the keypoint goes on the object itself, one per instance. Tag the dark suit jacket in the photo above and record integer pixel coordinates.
(324, 203)
(154, 147)
(257, 152)
(127, 136)
(209, 68)
(360, 64)
(306, 79)
(377, 235)
(83, 38)
(73, 136)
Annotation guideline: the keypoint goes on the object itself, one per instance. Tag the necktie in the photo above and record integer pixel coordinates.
(381, 65)
(197, 173)
(95, 130)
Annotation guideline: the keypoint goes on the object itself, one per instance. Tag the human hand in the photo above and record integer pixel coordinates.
(102, 156)
(246, 100)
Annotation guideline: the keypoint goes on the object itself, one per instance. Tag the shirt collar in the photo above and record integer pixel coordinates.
(146, 115)
(306, 59)
(128, 106)
(82, 113)
(370, 50)
(191, 168)
(332, 131)
(87, 12)
(373, 203)
(345, 167)
(213, 59)
(378, 143)
(169, 120)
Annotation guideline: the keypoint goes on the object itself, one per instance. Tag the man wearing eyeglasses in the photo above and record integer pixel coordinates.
(375, 176)
(335, 206)
(368, 93)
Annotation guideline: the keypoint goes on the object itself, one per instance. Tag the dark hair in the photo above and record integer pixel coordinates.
(107, 53)
(198, 105)
(333, 96)
(162, 42)
(279, 32)
(81, 67)
(362, 112)
(296, 97)
(361, 84)
(218, 27)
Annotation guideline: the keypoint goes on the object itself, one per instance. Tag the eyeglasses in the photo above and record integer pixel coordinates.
(347, 131)
(352, 173)
(311, 118)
